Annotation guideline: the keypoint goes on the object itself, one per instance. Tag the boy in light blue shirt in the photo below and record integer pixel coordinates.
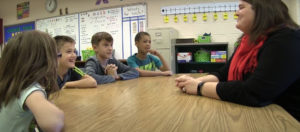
(151, 63)
(146, 63)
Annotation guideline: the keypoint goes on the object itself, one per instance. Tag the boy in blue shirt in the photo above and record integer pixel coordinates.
(68, 75)
(103, 67)
(146, 63)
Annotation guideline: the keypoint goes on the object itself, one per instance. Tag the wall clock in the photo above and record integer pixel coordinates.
(50, 5)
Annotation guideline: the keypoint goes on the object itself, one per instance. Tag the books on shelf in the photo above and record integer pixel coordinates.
(218, 56)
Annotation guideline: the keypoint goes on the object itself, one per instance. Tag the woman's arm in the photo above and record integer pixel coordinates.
(208, 78)
(190, 86)
(48, 116)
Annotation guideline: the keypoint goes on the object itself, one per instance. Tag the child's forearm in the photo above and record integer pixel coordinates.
(55, 123)
(48, 116)
(130, 74)
(165, 66)
(82, 83)
(145, 73)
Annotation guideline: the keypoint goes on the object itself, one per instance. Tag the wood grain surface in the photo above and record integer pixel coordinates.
(154, 104)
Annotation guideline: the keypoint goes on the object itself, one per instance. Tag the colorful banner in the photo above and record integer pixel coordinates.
(11, 31)
(23, 10)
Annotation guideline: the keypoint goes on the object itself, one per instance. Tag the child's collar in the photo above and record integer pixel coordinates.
(141, 56)
(103, 63)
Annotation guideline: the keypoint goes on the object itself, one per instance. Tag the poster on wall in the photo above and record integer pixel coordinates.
(11, 31)
(23, 10)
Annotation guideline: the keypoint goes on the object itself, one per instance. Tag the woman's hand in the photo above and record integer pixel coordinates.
(187, 84)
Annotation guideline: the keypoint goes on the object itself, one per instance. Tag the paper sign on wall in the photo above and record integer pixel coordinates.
(204, 17)
(175, 19)
(185, 18)
(225, 16)
(166, 19)
(194, 17)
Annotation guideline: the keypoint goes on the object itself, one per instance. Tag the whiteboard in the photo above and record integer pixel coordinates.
(108, 20)
(123, 23)
(62, 25)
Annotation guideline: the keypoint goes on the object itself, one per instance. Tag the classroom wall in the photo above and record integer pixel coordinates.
(298, 11)
(294, 8)
(222, 30)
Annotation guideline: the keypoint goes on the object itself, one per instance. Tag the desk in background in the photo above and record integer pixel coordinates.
(80, 64)
(149, 104)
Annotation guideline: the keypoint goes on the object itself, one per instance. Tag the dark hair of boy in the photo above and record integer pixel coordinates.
(97, 37)
(61, 40)
(139, 36)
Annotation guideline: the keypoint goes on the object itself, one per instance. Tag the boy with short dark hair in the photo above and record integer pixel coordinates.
(102, 66)
(147, 60)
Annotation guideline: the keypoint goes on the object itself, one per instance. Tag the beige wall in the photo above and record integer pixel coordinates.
(298, 11)
(222, 30)
(294, 6)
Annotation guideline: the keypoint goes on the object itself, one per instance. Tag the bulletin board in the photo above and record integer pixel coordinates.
(123, 23)
(10, 31)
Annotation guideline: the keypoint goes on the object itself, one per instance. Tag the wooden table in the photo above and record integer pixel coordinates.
(151, 104)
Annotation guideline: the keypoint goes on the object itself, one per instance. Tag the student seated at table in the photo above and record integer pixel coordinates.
(27, 78)
(146, 63)
(103, 67)
(265, 67)
(69, 76)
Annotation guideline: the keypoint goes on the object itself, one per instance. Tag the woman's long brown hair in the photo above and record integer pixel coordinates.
(28, 58)
(269, 15)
